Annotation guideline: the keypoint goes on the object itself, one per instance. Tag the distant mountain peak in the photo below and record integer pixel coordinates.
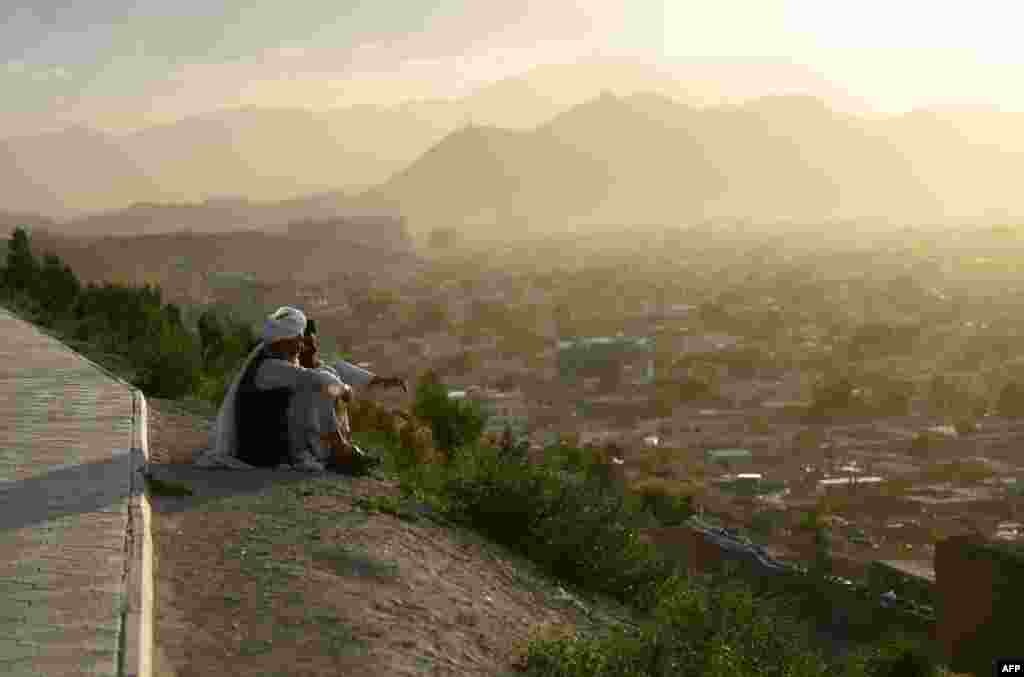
(789, 104)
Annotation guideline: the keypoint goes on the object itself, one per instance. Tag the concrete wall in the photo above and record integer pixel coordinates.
(980, 591)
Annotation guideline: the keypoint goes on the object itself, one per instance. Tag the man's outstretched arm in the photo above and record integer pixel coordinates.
(389, 382)
(358, 377)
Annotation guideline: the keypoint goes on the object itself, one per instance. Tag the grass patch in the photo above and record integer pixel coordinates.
(336, 637)
(191, 406)
(255, 647)
(159, 487)
(352, 561)
(389, 505)
(404, 508)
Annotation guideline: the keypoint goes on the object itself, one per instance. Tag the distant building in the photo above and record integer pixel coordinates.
(1009, 531)
(829, 482)
(728, 455)
(944, 431)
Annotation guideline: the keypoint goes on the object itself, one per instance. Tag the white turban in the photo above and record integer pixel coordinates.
(285, 322)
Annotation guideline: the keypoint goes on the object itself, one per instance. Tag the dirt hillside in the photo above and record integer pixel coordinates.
(280, 573)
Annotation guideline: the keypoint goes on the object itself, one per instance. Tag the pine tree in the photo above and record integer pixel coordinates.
(58, 286)
(22, 271)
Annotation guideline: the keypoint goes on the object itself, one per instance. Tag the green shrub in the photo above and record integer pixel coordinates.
(664, 500)
(611, 656)
(585, 533)
(717, 628)
(213, 387)
(172, 369)
(58, 288)
(576, 528)
(454, 423)
(21, 274)
(900, 658)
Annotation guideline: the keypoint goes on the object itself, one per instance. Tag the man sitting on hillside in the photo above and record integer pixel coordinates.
(261, 422)
(328, 429)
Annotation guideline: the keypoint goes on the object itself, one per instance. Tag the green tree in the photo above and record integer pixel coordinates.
(173, 366)
(58, 287)
(22, 269)
(211, 336)
(815, 521)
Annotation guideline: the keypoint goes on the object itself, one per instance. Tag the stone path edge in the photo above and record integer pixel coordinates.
(136, 649)
(135, 641)
(135, 657)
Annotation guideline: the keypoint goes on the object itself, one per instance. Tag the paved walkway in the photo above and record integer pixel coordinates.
(66, 465)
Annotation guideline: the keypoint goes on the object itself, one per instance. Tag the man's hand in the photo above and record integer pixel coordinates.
(338, 390)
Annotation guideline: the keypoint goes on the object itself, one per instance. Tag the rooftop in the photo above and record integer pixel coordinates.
(729, 453)
(642, 341)
(828, 481)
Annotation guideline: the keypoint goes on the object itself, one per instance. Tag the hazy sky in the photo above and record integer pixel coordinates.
(119, 62)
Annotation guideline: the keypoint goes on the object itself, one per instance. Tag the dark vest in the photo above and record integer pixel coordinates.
(262, 420)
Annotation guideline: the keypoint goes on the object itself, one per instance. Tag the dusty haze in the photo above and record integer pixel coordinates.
(549, 115)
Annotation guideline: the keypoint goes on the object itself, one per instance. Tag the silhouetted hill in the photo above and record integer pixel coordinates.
(254, 153)
(280, 154)
(11, 220)
(235, 214)
(812, 161)
(655, 167)
(525, 152)
(646, 158)
(66, 172)
(538, 95)
(275, 154)
(486, 176)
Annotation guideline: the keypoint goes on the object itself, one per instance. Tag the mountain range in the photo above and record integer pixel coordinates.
(526, 153)
(647, 159)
